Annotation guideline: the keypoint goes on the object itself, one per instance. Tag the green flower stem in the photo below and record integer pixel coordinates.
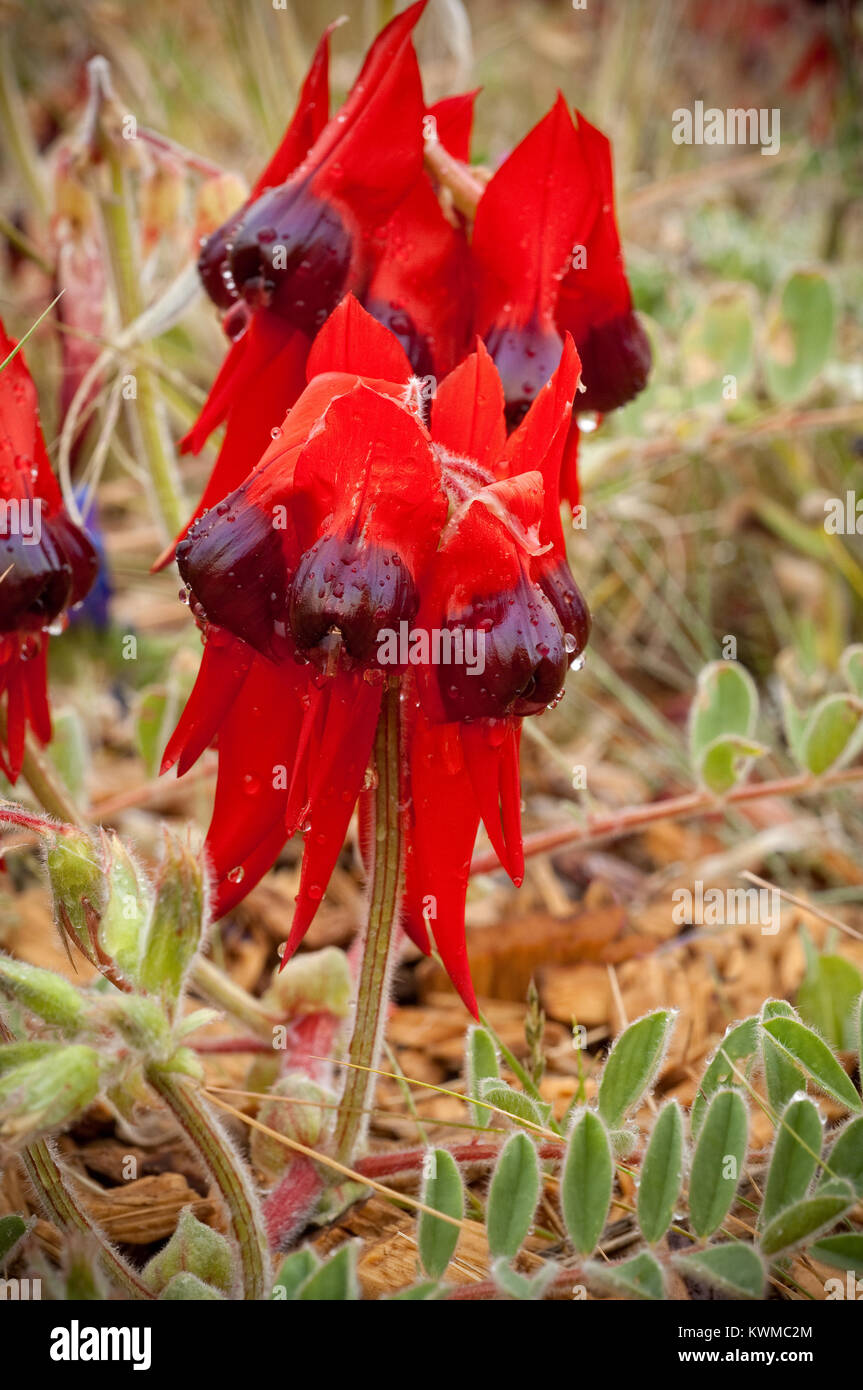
(386, 894)
(59, 1201)
(231, 997)
(146, 417)
(225, 1167)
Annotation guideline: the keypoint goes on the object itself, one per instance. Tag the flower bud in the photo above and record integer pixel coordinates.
(78, 885)
(317, 981)
(188, 1288)
(176, 922)
(351, 587)
(291, 252)
(49, 996)
(303, 1121)
(141, 1022)
(126, 911)
(193, 1249)
(38, 1096)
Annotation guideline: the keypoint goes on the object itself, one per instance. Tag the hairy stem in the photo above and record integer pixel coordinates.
(65, 1210)
(223, 1163)
(386, 892)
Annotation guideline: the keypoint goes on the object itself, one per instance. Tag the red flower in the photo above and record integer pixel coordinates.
(281, 264)
(306, 577)
(548, 261)
(46, 563)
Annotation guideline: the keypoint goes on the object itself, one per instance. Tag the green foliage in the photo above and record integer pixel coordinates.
(443, 1190)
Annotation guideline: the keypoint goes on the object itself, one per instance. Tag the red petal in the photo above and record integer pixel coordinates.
(539, 441)
(346, 746)
(257, 746)
(307, 122)
(454, 120)
(224, 667)
(467, 412)
(371, 153)
(352, 341)
(35, 685)
(230, 891)
(21, 444)
(524, 230)
(442, 846)
(491, 757)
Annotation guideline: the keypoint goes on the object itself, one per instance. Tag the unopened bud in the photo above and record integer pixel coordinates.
(124, 920)
(193, 1249)
(38, 1096)
(141, 1022)
(78, 885)
(176, 922)
(49, 996)
(188, 1288)
(294, 1108)
(317, 981)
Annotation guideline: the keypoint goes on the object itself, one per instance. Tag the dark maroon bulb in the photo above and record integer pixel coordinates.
(517, 657)
(416, 344)
(615, 364)
(569, 604)
(525, 358)
(233, 562)
(291, 252)
(213, 263)
(350, 588)
(44, 570)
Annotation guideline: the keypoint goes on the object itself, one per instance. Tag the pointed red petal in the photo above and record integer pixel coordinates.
(352, 341)
(257, 746)
(539, 441)
(346, 746)
(524, 230)
(230, 891)
(307, 122)
(467, 412)
(488, 752)
(442, 845)
(223, 669)
(454, 119)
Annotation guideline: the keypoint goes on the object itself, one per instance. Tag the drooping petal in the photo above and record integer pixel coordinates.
(224, 666)
(346, 746)
(490, 751)
(440, 847)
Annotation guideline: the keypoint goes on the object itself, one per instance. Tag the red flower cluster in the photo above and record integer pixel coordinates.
(345, 205)
(367, 518)
(362, 522)
(46, 563)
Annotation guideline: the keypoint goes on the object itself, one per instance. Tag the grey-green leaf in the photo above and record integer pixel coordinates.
(515, 1103)
(336, 1279)
(661, 1173)
(833, 733)
(807, 1219)
(512, 1196)
(295, 1270)
(795, 1157)
(845, 1159)
(632, 1064)
(733, 1268)
(739, 1043)
(482, 1063)
(444, 1191)
(586, 1181)
(842, 1251)
(639, 1277)
(718, 1162)
(782, 1077)
(810, 1052)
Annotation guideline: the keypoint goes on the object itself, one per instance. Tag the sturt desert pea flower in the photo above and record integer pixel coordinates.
(548, 261)
(359, 519)
(47, 564)
(280, 264)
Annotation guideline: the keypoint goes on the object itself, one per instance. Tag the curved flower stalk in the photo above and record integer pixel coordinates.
(47, 564)
(367, 546)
